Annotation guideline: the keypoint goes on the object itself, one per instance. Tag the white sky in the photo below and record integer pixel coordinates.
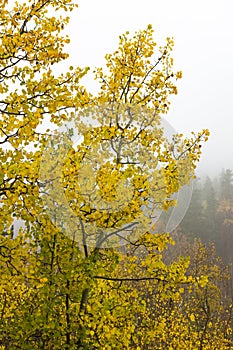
(203, 34)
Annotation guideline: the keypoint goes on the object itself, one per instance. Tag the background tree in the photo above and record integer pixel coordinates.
(226, 186)
(209, 210)
(194, 218)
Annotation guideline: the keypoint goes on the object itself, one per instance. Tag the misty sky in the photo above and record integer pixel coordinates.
(203, 34)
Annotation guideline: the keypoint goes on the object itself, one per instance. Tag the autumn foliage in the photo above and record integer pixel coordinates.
(87, 285)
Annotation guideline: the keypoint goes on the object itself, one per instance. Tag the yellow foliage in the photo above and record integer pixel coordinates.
(65, 291)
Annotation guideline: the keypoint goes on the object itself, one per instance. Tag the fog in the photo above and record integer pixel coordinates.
(203, 32)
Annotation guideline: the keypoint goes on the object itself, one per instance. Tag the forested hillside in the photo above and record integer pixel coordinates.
(210, 214)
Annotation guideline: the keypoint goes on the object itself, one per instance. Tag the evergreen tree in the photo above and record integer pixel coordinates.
(193, 221)
(210, 204)
(226, 186)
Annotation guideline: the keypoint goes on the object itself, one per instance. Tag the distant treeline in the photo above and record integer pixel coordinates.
(210, 214)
